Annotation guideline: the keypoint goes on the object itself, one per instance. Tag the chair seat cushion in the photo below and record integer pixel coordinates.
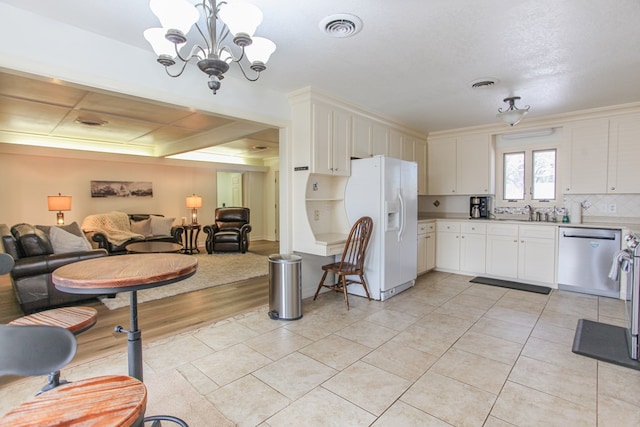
(227, 237)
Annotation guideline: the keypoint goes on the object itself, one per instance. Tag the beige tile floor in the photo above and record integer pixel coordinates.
(446, 352)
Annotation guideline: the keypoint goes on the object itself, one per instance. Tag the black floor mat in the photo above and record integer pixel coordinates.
(511, 285)
(603, 342)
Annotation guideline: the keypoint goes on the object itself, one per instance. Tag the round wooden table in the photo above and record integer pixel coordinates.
(153, 247)
(125, 273)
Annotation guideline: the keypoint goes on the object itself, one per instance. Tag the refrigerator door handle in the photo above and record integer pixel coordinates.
(403, 218)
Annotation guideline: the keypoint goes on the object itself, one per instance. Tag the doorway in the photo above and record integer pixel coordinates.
(229, 189)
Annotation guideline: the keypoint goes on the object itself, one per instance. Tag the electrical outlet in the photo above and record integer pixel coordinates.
(612, 208)
(316, 215)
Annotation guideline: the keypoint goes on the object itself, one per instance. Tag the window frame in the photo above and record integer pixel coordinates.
(528, 147)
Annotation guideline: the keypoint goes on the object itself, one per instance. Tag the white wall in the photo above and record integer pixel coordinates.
(30, 174)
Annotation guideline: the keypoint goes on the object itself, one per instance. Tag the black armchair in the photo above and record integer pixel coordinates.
(230, 231)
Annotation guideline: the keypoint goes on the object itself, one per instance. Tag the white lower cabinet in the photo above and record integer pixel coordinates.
(448, 245)
(525, 252)
(473, 247)
(426, 247)
(461, 246)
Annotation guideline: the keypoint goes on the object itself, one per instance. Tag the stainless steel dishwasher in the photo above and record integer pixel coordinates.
(585, 256)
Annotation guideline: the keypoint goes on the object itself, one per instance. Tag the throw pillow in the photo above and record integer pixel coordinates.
(72, 228)
(142, 227)
(63, 241)
(161, 226)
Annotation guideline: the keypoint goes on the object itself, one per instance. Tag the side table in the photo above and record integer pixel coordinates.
(191, 233)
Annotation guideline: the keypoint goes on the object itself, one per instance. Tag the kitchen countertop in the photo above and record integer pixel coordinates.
(625, 224)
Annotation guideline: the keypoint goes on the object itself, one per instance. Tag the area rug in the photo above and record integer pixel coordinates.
(511, 285)
(213, 270)
(603, 342)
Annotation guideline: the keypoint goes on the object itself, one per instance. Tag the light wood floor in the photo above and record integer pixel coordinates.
(163, 317)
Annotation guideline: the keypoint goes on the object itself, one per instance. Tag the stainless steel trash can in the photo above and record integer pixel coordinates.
(285, 287)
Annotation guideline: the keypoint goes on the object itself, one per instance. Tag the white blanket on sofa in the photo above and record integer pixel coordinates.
(115, 225)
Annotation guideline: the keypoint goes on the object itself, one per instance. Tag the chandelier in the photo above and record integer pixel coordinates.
(512, 115)
(212, 51)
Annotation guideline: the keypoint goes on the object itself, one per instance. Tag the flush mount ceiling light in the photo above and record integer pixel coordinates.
(341, 25)
(513, 114)
(215, 24)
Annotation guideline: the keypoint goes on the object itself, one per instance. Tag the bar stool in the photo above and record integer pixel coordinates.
(73, 319)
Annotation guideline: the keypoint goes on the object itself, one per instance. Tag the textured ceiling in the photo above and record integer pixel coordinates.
(414, 60)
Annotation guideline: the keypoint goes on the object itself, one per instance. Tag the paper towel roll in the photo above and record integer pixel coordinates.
(575, 215)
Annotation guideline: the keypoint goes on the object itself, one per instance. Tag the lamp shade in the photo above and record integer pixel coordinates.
(260, 50)
(159, 43)
(59, 203)
(175, 14)
(512, 117)
(194, 202)
(241, 17)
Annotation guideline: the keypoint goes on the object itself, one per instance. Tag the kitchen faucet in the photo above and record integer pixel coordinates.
(530, 209)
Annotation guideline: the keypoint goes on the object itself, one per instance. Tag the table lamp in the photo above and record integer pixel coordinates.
(59, 203)
(194, 203)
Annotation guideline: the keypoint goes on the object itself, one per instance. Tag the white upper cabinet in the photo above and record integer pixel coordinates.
(624, 154)
(395, 144)
(369, 138)
(462, 165)
(587, 157)
(331, 140)
(603, 156)
(475, 165)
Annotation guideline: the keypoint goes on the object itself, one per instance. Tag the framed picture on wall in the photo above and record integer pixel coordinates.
(121, 189)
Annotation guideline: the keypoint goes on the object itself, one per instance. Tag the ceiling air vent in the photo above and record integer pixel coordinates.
(87, 121)
(484, 82)
(341, 25)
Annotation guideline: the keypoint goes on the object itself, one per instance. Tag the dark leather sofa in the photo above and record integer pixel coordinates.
(230, 231)
(35, 260)
(103, 242)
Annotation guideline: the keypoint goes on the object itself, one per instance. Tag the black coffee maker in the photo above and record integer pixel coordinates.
(479, 207)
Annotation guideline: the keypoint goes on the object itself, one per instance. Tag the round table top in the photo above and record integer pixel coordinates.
(74, 319)
(109, 400)
(153, 247)
(120, 273)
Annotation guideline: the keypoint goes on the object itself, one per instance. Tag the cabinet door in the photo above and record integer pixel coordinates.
(422, 253)
(448, 251)
(341, 144)
(441, 173)
(536, 259)
(395, 144)
(361, 146)
(379, 139)
(502, 255)
(474, 171)
(421, 159)
(408, 147)
(588, 154)
(322, 139)
(473, 253)
(431, 251)
(624, 154)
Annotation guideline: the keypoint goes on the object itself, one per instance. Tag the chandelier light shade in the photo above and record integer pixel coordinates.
(210, 46)
(194, 203)
(59, 203)
(513, 114)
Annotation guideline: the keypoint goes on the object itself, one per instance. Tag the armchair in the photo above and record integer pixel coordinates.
(229, 232)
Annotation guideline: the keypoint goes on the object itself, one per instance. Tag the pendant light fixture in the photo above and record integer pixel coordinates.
(215, 24)
(513, 114)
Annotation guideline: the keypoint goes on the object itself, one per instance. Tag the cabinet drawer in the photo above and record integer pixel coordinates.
(422, 228)
(502, 230)
(538, 231)
(474, 228)
(447, 226)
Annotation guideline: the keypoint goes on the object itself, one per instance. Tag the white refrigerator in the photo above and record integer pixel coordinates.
(386, 189)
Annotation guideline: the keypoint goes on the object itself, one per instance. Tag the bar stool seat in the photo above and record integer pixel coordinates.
(73, 319)
(114, 400)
